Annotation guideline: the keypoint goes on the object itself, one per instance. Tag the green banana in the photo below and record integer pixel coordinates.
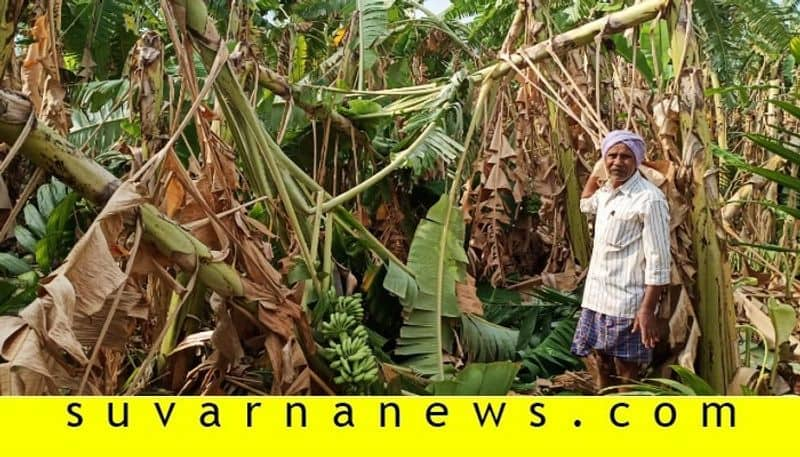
(347, 340)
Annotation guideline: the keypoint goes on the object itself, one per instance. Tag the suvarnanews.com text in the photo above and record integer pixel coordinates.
(386, 414)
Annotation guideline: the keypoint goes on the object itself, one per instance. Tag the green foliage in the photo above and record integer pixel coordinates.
(552, 355)
(13, 265)
(715, 19)
(319, 9)
(48, 229)
(435, 146)
(478, 379)
(489, 20)
(739, 162)
(783, 318)
(423, 335)
(623, 48)
(16, 292)
(538, 333)
(18, 283)
(108, 29)
(372, 23)
(485, 341)
(47, 235)
(737, 35)
(690, 385)
(299, 58)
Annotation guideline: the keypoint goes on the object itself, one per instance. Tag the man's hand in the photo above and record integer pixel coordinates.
(596, 179)
(645, 319)
(646, 322)
(599, 171)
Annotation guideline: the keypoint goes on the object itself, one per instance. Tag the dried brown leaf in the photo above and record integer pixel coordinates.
(225, 338)
(497, 179)
(173, 197)
(93, 272)
(467, 294)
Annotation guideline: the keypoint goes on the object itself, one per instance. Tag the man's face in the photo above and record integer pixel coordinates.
(620, 162)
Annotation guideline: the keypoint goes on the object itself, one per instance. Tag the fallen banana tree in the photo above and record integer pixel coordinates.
(53, 153)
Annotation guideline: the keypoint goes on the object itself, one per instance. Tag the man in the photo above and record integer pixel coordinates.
(630, 264)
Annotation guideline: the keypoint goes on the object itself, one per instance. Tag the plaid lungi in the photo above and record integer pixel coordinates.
(610, 335)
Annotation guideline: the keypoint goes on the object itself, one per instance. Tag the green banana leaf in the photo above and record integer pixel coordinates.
(479, 379)
(486, 341)
(438, 261)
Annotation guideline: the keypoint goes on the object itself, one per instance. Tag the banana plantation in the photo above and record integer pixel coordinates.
(382, 197)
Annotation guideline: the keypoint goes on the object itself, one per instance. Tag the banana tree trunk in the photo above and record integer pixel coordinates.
(718, 356)
(579, 36)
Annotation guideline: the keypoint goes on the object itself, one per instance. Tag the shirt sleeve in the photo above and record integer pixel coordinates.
(589, 204)
(655, 240)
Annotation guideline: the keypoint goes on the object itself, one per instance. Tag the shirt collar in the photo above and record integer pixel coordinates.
(628, 186)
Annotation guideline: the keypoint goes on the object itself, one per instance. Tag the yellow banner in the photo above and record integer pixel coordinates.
(388, 426)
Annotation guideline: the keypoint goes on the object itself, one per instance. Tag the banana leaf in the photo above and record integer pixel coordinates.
(479, 379)
(438, 261)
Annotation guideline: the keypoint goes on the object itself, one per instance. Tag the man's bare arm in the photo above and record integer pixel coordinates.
(592, 184)
(646, 316)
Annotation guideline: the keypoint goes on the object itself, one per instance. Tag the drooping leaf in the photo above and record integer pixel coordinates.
(776, 176)
(553, 354)
(479, 379)
(790, 108)
(623, 48)
(372, 23)
(774, 146)
(485, 341)
(438, 261)
(698, 385)
(400, 283)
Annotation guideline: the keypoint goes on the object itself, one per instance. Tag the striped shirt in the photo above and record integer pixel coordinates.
(631, 246)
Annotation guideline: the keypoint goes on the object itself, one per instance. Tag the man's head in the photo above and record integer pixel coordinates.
(623, 152)
(620, 163)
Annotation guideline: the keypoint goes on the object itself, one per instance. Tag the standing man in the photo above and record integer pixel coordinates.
(629, 268)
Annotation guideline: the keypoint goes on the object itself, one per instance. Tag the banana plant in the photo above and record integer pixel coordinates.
(48, 232)
(46, 236)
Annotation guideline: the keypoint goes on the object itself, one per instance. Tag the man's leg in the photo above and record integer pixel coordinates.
(627, 371)
(600, 367)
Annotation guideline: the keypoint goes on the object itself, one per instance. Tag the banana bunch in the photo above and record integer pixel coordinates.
(351, 305)
(354, 361)
(338, 324)
(347, 348)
